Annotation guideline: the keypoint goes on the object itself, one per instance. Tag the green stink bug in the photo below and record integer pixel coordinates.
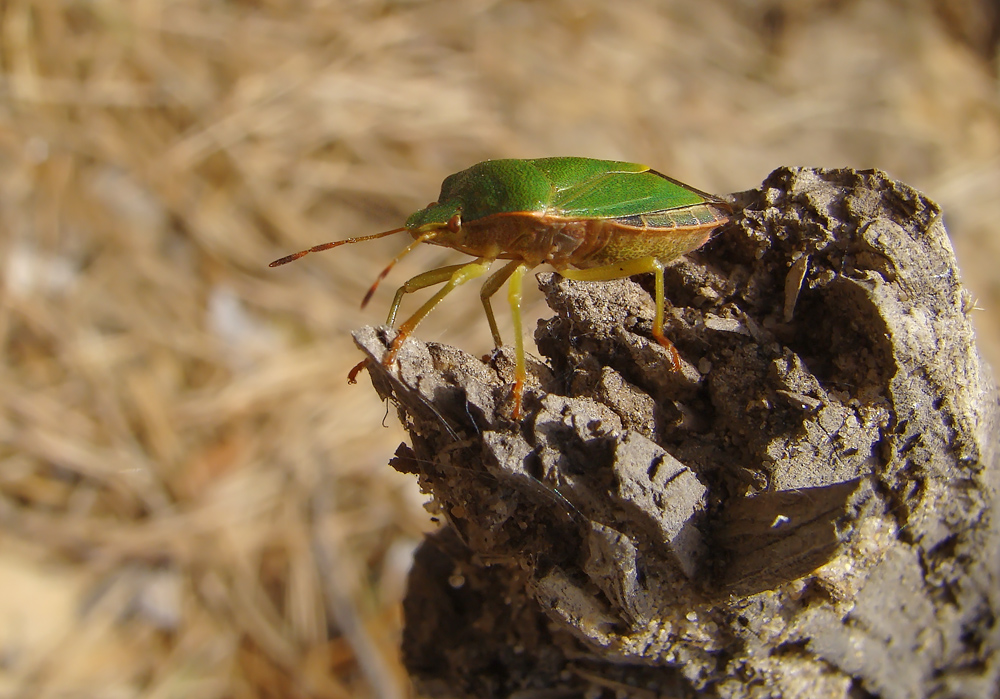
(590, 219)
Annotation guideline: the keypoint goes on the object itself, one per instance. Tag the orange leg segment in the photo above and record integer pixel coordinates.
(352, 375)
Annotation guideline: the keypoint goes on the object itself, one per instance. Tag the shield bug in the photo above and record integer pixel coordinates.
(591, 220)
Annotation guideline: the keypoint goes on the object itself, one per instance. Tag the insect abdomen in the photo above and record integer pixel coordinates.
(665, 235)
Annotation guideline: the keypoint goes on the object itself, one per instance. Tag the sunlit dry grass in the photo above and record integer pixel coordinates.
(193, 501)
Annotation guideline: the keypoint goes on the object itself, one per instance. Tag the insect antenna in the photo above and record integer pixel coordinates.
(392, 263)
(329, 246)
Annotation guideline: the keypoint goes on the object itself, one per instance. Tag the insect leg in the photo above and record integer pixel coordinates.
(627, 268)
(490, 287)
(517, 270)
(458, 277)
(421, 281)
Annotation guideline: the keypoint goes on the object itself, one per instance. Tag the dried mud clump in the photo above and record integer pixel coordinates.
(804, 510)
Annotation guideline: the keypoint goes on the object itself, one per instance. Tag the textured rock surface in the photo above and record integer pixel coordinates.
(807, 509)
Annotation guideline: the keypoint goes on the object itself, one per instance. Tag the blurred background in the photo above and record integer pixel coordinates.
(193, 502)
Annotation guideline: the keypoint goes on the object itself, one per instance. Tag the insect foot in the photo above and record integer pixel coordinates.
(458, 392)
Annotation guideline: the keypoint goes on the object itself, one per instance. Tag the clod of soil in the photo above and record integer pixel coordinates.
(805, 509)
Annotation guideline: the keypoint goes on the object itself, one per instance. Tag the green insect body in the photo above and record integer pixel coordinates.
(591, 220)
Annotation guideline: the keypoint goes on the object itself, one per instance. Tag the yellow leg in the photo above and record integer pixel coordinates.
(421, 281)
(514, 297)
(490, 287)
(459, 276)
(621, 270)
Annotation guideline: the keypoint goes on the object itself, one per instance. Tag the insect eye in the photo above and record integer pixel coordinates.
(455, 223)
